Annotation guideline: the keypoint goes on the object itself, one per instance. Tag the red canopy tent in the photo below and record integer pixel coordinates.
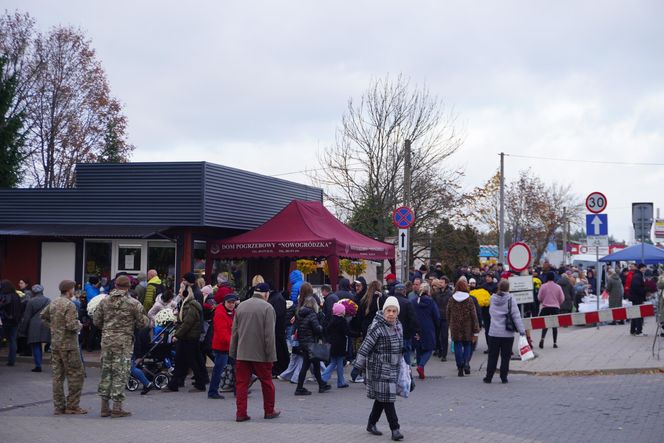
(303, 229)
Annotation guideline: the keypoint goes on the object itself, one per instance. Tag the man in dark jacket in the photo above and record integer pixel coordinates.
(441, 293)
(187, 338)
(344, 290)
(568, 291)
(407, 317)
(276, 299)
(329, 299)
(637, 294)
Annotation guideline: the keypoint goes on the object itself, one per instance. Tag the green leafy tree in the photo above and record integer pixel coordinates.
(11, 131)
(454, 246)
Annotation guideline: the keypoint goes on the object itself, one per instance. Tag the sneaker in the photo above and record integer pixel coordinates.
(243, 418)
(215, 396)
(302, 391)
(274, 414)
(345, 385)
(641, 334)
(36, 370)
(147, 388)
(359, 379)
(280, 378)
(324, 388)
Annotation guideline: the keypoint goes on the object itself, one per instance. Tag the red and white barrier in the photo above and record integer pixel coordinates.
(589, 318)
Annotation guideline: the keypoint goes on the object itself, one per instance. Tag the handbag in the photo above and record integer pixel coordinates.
(320, 351)
(509, 320)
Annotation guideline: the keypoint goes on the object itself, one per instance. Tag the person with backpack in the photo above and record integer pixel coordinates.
(153, 289)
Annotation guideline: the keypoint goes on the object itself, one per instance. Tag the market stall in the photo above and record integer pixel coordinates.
(303, 229)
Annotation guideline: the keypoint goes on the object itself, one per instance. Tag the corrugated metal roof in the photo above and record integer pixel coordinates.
(156, 194)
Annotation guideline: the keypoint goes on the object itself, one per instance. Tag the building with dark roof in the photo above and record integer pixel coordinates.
(133, 217)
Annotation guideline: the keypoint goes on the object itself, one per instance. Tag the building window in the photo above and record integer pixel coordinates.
(98, 259)
(200, 249)
(161, 257)
(129, 258)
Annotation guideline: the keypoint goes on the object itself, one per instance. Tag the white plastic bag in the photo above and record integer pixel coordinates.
(525, 350)
(403, 383)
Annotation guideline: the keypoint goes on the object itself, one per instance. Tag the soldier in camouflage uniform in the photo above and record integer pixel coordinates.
(62, 317)
(118, 316)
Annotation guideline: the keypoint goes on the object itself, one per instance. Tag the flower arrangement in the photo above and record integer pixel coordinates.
(164, 317)
(483, 297)
(350, 305)
(352, 267)
(92, 305)
(306, 266)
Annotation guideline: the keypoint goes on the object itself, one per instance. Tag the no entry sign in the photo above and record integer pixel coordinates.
(519, 256)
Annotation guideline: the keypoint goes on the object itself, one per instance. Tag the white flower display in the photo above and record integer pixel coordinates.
(164, 316)
(92, 305)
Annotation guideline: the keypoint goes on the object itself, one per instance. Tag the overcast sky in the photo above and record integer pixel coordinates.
(263, 85)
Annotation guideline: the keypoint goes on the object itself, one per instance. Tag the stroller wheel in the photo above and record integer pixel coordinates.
(132, 384)
(161, 380)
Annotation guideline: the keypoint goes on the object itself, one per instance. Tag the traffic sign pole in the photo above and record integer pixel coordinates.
(403, 218)
(596, 203)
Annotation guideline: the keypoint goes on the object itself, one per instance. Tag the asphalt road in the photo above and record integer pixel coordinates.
(529, 408)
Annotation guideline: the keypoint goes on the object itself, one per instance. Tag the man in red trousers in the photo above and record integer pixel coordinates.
(253, 349)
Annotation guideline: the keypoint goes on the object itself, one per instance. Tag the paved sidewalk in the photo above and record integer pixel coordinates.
(582, 350)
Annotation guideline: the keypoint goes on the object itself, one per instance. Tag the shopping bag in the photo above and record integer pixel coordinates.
(605, 295)
(525, 350)
(404, 380)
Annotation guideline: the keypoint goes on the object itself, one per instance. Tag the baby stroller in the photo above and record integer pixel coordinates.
(157, 362)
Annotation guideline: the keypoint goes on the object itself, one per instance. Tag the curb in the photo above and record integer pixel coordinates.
(47, 361)
(590, 372)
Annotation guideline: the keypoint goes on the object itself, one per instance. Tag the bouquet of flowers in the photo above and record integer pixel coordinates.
(350, 305)
(164, 317)
(482, 296)
(92, 305)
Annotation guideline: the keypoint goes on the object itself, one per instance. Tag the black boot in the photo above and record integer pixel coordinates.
(372, 429)
(466, 369)
(396, 435)
(460, 372)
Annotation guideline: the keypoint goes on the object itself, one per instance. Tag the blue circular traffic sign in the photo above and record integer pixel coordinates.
(403, 217)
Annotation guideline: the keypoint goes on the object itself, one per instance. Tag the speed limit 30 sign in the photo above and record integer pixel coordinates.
(596, 202)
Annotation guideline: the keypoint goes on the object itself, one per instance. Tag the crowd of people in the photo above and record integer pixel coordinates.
(271, 334)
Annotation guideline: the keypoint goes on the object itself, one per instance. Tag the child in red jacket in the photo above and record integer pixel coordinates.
(222, 323)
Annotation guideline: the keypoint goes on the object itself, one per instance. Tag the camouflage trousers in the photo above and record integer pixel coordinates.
(67, 365)
(115, 366)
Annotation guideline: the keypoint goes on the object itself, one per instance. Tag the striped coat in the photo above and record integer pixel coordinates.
(380, 356)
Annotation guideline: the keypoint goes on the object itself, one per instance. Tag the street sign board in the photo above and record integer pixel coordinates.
(597, 224)
(403, 217)
(403, 239)
(642, 218)
(521, 288)
(596, 202)
(519, 256)
(598, 240)
(659, 229)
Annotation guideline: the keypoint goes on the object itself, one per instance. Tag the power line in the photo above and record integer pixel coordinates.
(584, 161)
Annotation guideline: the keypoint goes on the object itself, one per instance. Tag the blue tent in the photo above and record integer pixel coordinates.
(651, 254)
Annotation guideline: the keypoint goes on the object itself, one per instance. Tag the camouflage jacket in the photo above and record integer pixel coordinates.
(118, 316)
(62, 317)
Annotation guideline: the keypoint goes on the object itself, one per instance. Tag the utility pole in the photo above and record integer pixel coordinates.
(501, 228)
(406, 197)
(564, 235)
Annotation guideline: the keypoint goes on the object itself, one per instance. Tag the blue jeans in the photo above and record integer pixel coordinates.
(37, 354)
(220, 362)
(423, 357)
(462, 352)
(407, 349)
(338, 364)
(11, 332)
(138, 374)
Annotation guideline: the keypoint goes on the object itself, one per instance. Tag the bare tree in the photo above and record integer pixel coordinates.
(363, 172)
(70, 115)
(535, 210)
